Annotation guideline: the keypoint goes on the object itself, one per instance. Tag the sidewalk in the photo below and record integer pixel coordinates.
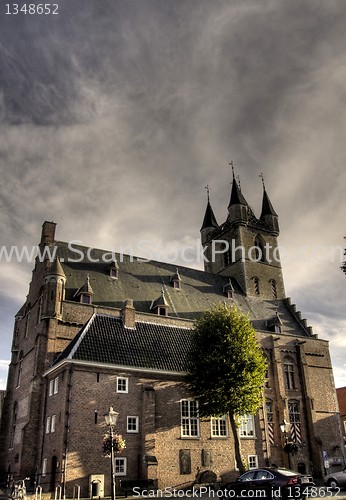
(3, 495)
(340, 496)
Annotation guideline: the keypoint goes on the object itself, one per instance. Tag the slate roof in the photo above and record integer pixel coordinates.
(143, 281)
(236, 195)
(104, 339)
(267, 207)
(209, 218)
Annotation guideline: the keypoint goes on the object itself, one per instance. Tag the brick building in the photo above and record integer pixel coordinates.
(100, 330)
(341, 395)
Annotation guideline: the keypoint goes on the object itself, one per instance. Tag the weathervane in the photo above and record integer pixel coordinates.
(262, 177)
(208, 190)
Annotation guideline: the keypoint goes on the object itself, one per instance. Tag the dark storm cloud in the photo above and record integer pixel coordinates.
(115, 114)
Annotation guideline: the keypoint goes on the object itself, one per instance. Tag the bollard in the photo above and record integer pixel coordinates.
(38, 493)
(58, 489)
(76, 488)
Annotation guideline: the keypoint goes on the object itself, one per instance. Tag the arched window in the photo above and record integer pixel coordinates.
(256, 284)
(295, 423)
(273, 289)
(259, 249)
(289, 373)
(226, 254)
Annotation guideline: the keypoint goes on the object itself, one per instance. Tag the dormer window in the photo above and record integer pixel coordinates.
(113, 270)
(113, 273)
(228, 290)
(160, 305)
(275, 324)
(176, 280)
(85, 299)
(85, 292)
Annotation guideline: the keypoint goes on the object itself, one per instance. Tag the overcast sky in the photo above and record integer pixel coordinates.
(115, 114)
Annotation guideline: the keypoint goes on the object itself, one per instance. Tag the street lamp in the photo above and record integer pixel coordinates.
(284, 427)
(111, 419)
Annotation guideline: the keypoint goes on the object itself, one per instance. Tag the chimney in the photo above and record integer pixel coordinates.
(48, 233)
(128, 314)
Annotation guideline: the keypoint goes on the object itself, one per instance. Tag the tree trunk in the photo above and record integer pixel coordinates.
(238, 458)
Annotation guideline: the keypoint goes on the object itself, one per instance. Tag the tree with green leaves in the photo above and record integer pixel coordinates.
(227, 368)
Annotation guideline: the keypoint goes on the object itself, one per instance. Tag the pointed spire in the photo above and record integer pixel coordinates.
(209, 220)
(237, 197)
(56, 268)
(267, 207)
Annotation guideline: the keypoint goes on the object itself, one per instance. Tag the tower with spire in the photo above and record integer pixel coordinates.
(244, 247)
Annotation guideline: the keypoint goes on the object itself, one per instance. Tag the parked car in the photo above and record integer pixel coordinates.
(337, 479)
(269, 482)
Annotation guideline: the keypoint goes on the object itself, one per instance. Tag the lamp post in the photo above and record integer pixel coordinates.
(284, 429)
(111, 420)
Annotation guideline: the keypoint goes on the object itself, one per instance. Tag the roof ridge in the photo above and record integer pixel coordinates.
(83, 333)
(165, 325)
(118, 318)
(135, 258)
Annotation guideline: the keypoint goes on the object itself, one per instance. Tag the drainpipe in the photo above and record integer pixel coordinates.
(66, 431)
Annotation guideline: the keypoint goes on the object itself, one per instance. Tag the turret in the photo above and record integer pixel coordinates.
(209, 222)
(238, 206)
(268, 214)
(54, 290)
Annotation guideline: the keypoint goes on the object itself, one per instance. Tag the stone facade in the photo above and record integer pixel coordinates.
(57, 394)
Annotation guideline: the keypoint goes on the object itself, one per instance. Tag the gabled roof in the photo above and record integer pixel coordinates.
(142, 281)
(104, 339)
(85, 289)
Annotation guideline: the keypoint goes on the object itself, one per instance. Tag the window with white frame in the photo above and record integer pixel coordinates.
(122, 385)
(120, 466)
(218, 426)
(48, 425)
(252, 461)
(247, 426)
(132, 424)
(189, 418)
(52, 423)
(44, 467)
(53, 386)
